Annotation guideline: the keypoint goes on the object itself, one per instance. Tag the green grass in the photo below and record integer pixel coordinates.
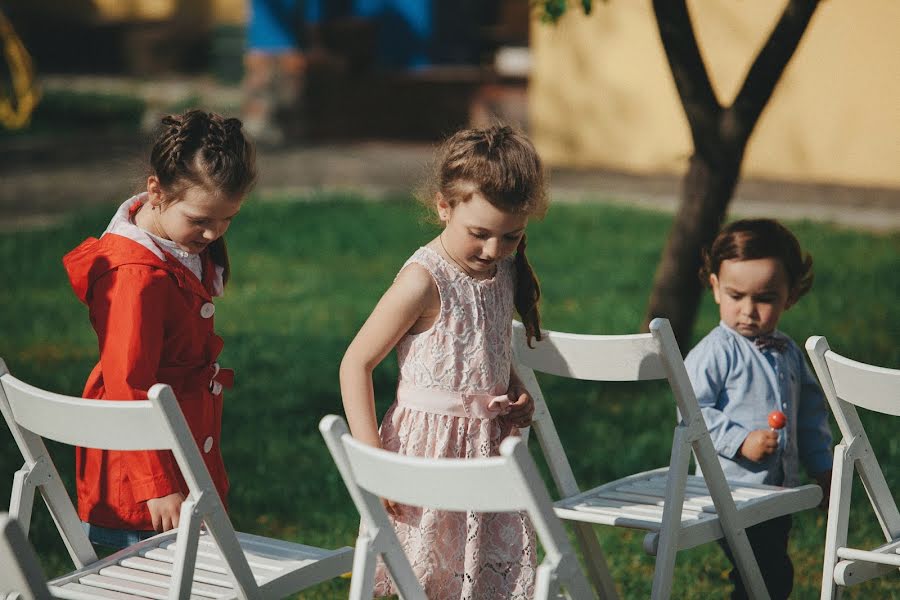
(306, 275)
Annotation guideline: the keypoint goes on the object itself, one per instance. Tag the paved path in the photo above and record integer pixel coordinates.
(42, 180)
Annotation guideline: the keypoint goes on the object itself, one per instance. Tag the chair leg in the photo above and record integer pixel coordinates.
(543, 583)
(21, 500)
(405, 579)
(597, 567)
(838, 513)
(185, 551)
(670, 526)
(362, 582)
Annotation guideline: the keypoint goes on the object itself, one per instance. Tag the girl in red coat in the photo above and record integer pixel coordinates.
(149, 282)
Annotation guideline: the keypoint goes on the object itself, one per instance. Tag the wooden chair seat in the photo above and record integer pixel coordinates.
(144, 570)
(637, 502)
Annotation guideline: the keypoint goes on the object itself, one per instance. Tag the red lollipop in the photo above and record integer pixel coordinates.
(777, 419)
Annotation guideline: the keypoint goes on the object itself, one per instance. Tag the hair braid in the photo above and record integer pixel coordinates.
(205, 150)
(527, 295)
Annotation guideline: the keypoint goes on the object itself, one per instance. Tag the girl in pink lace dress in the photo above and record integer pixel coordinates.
(449, 314)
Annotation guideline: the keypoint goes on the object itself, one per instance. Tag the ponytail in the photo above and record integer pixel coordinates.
(527, 295)
(218, 252)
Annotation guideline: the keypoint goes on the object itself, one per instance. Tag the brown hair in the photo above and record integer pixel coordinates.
(206, 150)
(502, 165)
(750, 239)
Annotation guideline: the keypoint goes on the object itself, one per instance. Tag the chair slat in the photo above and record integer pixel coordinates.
(445, 484)
(127, 586)
(632, 357)
(207, 548)
(280, 549)
(149, 565)
(78, 591)
(138, 575)
(211, 564)
(112, 425)
(881, 556)
(872, 388)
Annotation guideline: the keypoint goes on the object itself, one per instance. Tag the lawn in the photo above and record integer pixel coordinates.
(305, 275)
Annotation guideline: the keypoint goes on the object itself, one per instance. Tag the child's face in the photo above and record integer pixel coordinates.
(478, 234)
(195, 220)
(751, 294)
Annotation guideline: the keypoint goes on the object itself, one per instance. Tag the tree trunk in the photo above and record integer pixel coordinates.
(677, 287)
(720, 136)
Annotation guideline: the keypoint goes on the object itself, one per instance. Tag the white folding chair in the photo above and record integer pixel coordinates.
(848, 384)
(678, 510)
(214, 562)
(20, 573)
(507, 483)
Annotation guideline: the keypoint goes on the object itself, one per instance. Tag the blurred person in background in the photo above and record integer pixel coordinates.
(275, 64)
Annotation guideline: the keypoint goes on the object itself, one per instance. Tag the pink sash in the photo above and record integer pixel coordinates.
(454, 404)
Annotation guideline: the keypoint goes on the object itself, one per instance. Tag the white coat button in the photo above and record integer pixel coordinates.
(207, 445)
(216, 388)
(207, 310)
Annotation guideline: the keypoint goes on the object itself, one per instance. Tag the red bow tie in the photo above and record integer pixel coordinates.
(771, 342)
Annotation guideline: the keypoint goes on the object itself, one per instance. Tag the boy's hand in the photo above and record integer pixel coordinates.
(759, 444)
(165, 512)
(824, 481)
(521, 406)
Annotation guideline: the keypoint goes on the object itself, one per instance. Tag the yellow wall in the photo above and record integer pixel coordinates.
(602, 95)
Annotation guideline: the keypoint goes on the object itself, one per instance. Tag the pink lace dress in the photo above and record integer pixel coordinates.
(450, 402)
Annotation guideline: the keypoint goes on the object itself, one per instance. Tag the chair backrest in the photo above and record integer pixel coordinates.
(20, 572)
(845, 380)
(847, 384)
(507, 483)
(157, 423)
(153, 424)
(632, 357)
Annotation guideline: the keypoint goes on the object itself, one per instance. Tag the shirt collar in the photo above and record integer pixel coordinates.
(121, 224)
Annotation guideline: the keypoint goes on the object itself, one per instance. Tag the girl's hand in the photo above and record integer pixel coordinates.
(165, 512)
(521, 406)
(391, 507)
(759, 444)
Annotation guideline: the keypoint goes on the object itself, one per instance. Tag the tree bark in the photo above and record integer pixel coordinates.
(720, 136)
(677, 289)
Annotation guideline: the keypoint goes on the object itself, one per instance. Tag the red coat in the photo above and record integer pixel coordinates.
(154, 324)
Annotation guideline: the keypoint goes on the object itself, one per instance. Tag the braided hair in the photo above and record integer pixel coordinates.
(502, 165)
(207, 150)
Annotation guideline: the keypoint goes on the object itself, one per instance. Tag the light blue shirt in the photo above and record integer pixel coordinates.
(738, 385)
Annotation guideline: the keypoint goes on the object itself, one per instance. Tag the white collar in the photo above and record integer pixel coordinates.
(122, 225)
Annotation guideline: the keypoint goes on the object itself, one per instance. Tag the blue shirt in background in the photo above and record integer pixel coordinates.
(738, 385)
